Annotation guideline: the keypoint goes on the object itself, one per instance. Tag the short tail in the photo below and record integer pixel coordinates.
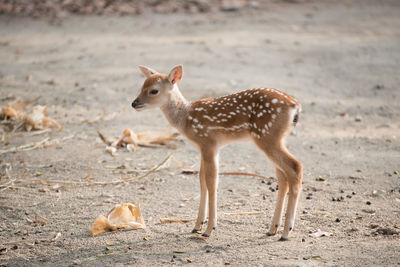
(296, 116)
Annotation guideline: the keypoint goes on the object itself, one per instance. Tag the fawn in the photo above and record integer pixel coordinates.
(262, 115)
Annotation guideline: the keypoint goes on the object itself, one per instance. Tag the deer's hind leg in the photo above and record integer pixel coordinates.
(289, 169)
(283, 189)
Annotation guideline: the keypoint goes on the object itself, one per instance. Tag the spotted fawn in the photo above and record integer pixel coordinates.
(263, 115)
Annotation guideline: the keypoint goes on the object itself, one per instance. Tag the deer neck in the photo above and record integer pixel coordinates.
(176, 109)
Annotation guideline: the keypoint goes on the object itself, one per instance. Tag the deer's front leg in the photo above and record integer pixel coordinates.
(201, 216)
(210, 160)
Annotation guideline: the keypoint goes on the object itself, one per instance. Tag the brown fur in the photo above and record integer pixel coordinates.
(262, 115)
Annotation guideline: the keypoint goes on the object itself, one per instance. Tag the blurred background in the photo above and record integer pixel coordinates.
(68, 71)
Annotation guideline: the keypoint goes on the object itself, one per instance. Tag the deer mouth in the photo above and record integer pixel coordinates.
(140, 107)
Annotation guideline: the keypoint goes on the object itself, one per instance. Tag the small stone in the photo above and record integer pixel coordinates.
(309, 197)
(373, 226)
(303, 240)
(174, 256)
(341, 191)
(263, 181)
(264, 197)
(358, 119)
(269, 183)
(334, 199)
(208, 250)
(76, 262)
(353, 193)
(379, 87)
(368, 203)
(341, 198)
(349, 196)
(338, 220)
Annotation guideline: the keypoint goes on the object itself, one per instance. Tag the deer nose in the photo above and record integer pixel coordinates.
(135, 103)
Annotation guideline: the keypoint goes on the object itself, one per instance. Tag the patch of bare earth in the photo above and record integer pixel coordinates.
(340, 60)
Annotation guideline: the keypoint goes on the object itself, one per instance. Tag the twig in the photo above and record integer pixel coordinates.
(31, 146)
(248, 174)
(187, 171)
(152, 169)
(103, 138)
(244, 213)
(14, 187)
(33, 133)
(172, 220)
(25, 147)
(8, 184)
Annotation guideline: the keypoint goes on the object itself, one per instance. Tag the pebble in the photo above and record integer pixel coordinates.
(337, 220)
(349, 196)
(334, 199)
(76, 262)
(341, 191)
(353, 193)
(368, 203)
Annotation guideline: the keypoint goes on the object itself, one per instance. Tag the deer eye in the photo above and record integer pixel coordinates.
(154, 92)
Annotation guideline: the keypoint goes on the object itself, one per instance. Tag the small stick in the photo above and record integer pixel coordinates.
(103, 138)
(187, 171)
(154, 168)
(172, 220)
(244, 213)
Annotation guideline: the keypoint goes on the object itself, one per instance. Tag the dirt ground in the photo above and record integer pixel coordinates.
(340, 59)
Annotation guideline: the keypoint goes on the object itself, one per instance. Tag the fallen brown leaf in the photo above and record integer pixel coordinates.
(124, 216)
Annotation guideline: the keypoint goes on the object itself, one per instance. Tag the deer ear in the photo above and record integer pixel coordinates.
(147, 72)
(175, 75)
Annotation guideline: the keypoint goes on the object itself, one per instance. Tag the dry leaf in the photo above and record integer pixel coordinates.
(33, 119)
(156, 138)
(131, 141)
(38, 119)
(124, 216)
(112, 150)
(14, 110)
(127, 139)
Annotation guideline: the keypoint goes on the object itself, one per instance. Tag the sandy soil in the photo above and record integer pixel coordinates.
(340, 60)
